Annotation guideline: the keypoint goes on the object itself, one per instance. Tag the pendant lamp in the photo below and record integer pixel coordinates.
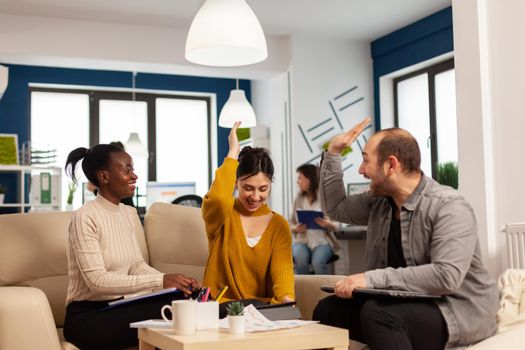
(237, 108)
(134, 145)
(225, 33)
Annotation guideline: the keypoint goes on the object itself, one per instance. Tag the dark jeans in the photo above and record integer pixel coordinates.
(89, 327)
(386, 323)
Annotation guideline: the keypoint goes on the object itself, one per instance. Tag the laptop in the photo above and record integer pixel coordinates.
(392, 293)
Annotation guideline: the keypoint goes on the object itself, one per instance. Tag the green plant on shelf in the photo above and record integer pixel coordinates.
(447, 174)
(235, 308)
(72, 187)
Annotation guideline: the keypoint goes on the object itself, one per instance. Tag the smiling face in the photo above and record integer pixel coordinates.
(253, 191)
(119, 180)
(370, 169)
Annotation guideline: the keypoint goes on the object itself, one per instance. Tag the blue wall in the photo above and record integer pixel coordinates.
(427, 38)
(14, 105)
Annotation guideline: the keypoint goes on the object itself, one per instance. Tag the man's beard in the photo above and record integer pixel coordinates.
(377, 190)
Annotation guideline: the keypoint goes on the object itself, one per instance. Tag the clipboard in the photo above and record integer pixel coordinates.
(124, 301)
(307, 217)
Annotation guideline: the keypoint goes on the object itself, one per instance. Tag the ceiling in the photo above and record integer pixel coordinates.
(353, 19)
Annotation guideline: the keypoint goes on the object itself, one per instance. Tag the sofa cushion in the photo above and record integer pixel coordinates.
(33, 252)
(176, 239)
(32, 246)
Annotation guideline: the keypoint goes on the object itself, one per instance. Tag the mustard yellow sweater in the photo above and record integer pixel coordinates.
(263, 272)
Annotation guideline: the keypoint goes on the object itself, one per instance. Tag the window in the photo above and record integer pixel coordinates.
(175, 128)
(60, 120)
(183, 149)
(425, 105)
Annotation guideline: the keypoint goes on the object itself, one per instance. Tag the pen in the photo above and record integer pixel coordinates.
(221, 293)
(206, 295)
(201, 294)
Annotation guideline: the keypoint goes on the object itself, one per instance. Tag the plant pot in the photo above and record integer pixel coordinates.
(69, 207)
(237, 324)
(2, 197)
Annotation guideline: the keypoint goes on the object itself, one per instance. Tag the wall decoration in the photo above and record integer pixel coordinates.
(8, 149)
(339, 109)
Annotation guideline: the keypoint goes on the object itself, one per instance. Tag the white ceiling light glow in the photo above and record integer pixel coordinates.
(225, 33)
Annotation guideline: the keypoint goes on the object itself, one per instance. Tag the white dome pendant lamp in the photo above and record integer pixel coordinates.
(237, 108)
(225, 33)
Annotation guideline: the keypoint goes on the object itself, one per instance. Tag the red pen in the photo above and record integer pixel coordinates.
(206, 295)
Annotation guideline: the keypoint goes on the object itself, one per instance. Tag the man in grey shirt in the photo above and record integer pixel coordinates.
(421, 236)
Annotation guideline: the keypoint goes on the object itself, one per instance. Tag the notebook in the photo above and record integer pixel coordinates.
(307, 217)
(392, 293)
(137, 298)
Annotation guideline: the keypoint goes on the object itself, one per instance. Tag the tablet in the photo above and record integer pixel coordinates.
(271, 306)
(392, 293)
(387, 293)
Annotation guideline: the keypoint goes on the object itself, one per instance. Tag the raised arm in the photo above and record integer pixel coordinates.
(334, 201)
(218, 202)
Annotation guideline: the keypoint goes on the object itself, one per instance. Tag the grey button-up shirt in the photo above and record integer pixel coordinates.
(440, 245)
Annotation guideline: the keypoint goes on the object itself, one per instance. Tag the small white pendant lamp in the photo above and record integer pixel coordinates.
(225, 33)
(237, 108)
(134, 145)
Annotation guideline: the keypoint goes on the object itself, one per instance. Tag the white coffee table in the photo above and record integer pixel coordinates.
(314, 336)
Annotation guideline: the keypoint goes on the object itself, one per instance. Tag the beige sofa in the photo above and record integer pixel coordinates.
(33, 273)
(33, 269)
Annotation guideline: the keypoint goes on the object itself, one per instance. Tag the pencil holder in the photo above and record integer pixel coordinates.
(208, 315)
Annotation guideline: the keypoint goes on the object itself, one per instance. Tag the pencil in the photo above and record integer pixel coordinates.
(221, 293)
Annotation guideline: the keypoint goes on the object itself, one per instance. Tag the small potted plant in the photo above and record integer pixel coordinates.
(72, 187)
(236, 321)
(2, 194)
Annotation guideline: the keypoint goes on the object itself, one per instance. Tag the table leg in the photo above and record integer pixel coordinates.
(145, 346)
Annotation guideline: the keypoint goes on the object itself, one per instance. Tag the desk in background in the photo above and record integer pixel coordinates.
(352, 239)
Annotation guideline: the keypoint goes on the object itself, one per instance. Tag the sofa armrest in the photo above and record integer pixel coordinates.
(308, 291)
(26, 320)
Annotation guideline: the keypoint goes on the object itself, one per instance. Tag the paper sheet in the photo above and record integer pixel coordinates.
(256, 322)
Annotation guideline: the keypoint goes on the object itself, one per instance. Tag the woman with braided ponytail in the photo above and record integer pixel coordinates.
(250, 246)
(104, 259)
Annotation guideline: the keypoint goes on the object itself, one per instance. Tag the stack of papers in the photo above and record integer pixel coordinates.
(256, 322)
(151, 324)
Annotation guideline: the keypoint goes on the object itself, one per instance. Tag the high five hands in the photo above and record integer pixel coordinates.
(233, 141)
(338, 143)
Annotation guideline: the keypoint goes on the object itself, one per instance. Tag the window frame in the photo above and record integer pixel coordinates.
(431, 72)
(150, 98)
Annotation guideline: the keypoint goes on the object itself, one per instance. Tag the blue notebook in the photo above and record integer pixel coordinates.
(307, 217)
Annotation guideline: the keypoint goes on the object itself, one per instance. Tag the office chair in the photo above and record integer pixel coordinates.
(190, 200)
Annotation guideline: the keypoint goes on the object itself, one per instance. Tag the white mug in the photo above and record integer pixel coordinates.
(184, 316)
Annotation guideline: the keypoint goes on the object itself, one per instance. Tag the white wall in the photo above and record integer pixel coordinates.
(270, 100)
(489, 56)
(321, 70)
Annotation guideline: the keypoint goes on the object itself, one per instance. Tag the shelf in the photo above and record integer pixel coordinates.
(23, 187)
